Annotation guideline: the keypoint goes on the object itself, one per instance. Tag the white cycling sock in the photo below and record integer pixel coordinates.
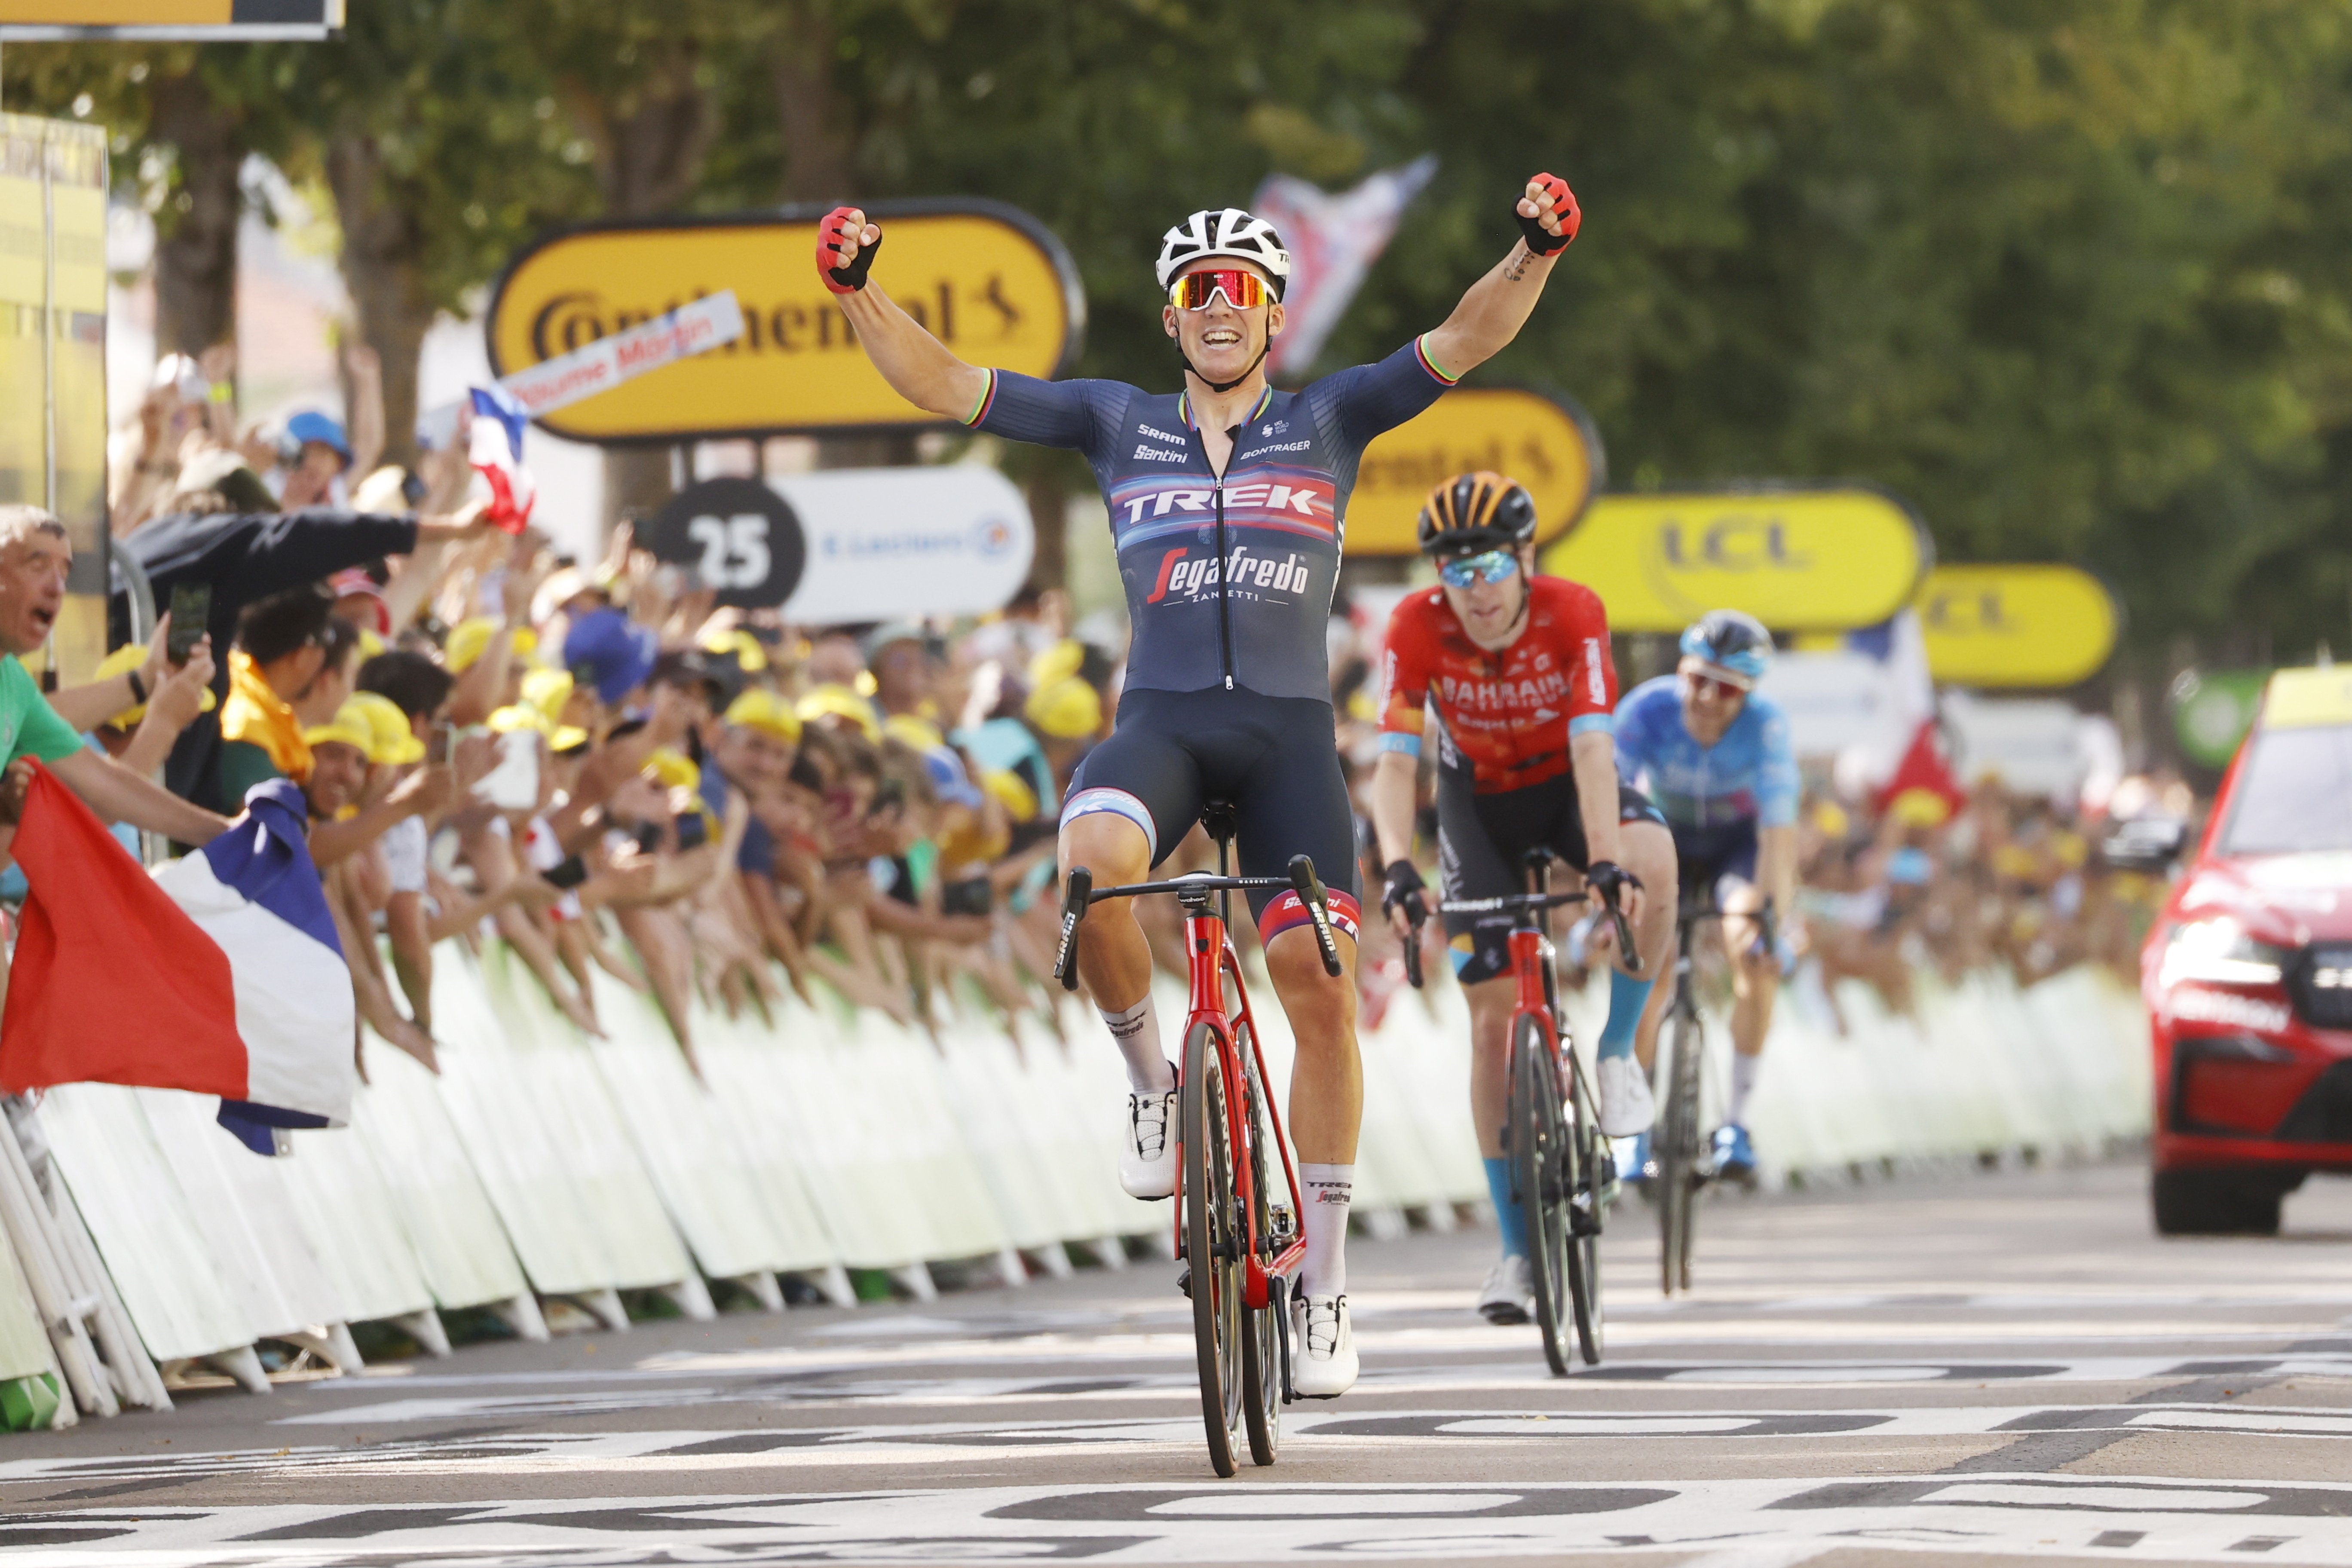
(1744, 1068)
(1327, 1190)
(1136, 1031)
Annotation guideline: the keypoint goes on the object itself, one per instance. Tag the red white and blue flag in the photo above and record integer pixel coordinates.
(218, 975)
(496, 452)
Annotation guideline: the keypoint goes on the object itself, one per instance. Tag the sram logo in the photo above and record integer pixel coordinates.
(1184, 574)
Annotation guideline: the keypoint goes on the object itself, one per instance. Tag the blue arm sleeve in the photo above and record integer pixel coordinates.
(1364, 400)
(1776, 774)
(1079, 413)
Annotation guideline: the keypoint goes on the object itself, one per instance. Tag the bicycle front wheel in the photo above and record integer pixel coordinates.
(1538, 1133)
(1261, 1341)
(1592, 1169)
(1677, 1144)
(1213, 1246)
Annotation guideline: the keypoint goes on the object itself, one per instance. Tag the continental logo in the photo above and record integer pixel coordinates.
(973, 314)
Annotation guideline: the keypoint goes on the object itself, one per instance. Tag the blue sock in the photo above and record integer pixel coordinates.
(1508, 1219)
(1627, 997)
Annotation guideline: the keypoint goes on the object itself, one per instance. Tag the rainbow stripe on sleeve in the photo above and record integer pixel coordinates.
(1420, 352)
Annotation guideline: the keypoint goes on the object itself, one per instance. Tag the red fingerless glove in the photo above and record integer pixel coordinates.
(1540, 240)
(835, 236)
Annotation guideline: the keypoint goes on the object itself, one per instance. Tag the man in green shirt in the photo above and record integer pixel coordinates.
(34, 558)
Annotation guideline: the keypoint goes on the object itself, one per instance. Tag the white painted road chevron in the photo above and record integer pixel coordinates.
(1994, 1367)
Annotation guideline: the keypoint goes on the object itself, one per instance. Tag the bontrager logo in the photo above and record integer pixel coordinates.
(1183, 575)
(1288, 447)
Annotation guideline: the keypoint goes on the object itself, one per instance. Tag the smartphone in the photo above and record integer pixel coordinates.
(437, 745)
(192, 615)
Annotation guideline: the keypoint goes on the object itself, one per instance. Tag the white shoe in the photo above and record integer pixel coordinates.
(1508, 1296)
(1322, 1348)
(1626, 1106)
(1147, 1146)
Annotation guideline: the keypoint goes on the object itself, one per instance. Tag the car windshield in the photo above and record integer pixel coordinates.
(2294, 793)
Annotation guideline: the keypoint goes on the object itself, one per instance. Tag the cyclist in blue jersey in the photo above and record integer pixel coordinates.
(1228, 503)
(1713, 753)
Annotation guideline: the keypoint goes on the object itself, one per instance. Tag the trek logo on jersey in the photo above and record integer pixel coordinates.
(1260, 501)
(1184, 574)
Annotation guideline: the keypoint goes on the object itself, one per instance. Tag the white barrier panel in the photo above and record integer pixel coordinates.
(24, 1347)
(446, 1216)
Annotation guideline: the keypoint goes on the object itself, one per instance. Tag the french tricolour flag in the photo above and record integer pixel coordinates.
(219, 975)
(496, 452)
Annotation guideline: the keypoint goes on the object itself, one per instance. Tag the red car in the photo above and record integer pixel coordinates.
(2248, 975)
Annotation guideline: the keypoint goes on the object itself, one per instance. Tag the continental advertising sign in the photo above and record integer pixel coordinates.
(988, 280)
(197, 19)
(2016, 626)
(1547, 444)
(1831, 559)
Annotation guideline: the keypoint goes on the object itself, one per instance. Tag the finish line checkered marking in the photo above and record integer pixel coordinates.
(1779, 1520)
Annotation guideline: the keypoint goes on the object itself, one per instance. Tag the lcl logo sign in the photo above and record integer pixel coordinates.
(1962, 613)
(1735, 543)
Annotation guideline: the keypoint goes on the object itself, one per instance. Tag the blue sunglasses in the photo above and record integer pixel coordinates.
(1492, 566)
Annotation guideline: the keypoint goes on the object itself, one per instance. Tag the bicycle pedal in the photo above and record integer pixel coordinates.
(1184, 1282)
(1581, 1220)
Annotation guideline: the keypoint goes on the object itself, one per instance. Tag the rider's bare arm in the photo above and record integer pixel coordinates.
(1498, 304)
(1396, 789)
(1593, 758)
(1775, 866)
(918, 366)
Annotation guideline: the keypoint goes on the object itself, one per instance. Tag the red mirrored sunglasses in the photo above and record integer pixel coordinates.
(1242, 289)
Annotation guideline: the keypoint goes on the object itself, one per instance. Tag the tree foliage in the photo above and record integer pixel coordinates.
(2071, 275)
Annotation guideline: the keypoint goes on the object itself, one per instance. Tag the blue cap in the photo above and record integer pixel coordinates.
(615, 653)
(312, 425)
(948, 781)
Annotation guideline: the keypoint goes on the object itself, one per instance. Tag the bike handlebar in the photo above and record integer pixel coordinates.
(1079, 893)
(1514, 903)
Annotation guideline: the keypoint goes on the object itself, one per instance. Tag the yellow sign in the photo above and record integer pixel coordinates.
(992, 283)
(2016, 626)
(1547, 446)
(1797, 560)
(197, 19)
(2307, 698)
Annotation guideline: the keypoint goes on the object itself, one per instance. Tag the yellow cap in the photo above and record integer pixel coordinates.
(468, 640)
(121, 661)
(566, 736)
(350, 725)
(1011, 791)
(1831, 819)
(1057, 663)
(832, 701)
(547, 690)
(394, 742)
(1068, 710)
(909, 731)
(371, 645)
(750, 656)
(1920, 808)
(760, 709)
(674, 769)
(518, 716)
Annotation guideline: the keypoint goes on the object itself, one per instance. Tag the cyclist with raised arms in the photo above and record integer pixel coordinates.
(1518, 669)
(1228, 501)
(1715, 754)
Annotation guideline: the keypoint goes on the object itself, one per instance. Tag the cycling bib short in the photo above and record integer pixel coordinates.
(1274, 758)
(1229, 580)
(1482, 846)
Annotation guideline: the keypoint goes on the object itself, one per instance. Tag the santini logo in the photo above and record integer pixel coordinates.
(1185, 576)
(1154, 454)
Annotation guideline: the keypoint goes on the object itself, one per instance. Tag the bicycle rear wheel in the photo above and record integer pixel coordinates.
(1591, 1168)
(1211, 1245)
(1538, 1135)
(1677, 1145)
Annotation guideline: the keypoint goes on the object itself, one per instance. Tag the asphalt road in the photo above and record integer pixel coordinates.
(1951, 1371)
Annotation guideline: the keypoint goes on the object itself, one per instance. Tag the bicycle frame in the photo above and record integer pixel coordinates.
(1210, 956)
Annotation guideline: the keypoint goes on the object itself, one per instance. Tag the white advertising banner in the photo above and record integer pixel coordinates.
(887, 543)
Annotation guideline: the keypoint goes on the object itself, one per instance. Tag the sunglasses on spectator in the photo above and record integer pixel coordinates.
(1242, 289)
(1490, 567)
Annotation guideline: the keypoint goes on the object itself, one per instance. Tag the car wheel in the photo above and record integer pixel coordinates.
(2216, 1203)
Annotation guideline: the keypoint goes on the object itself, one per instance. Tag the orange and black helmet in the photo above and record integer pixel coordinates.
(1474, 513)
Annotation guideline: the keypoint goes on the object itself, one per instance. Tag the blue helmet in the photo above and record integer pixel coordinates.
(1731, 640)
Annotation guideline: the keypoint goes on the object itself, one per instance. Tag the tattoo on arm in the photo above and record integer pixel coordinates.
(1517, 266)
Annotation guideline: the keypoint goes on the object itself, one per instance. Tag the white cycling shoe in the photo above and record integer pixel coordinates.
(1509, 1296)
(1626, 1106)
(1323, 1363)
(1147, 1146)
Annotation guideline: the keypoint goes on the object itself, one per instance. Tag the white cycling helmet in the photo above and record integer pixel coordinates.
(1227, 231)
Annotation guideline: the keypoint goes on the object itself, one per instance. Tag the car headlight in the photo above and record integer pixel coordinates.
(2221, 951)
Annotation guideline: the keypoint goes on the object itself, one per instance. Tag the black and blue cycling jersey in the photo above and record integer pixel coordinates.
(1229, 577)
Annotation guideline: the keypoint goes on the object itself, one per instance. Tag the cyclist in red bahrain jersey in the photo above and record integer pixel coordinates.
(1517, 670)
(1228, 504)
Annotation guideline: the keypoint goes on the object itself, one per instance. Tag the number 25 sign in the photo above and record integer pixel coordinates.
(738, 536)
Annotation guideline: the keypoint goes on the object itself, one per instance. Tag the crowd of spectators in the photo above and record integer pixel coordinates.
(591, 762)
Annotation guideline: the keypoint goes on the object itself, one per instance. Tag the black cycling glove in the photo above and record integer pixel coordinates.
(1403, 890)
(1608, 879)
